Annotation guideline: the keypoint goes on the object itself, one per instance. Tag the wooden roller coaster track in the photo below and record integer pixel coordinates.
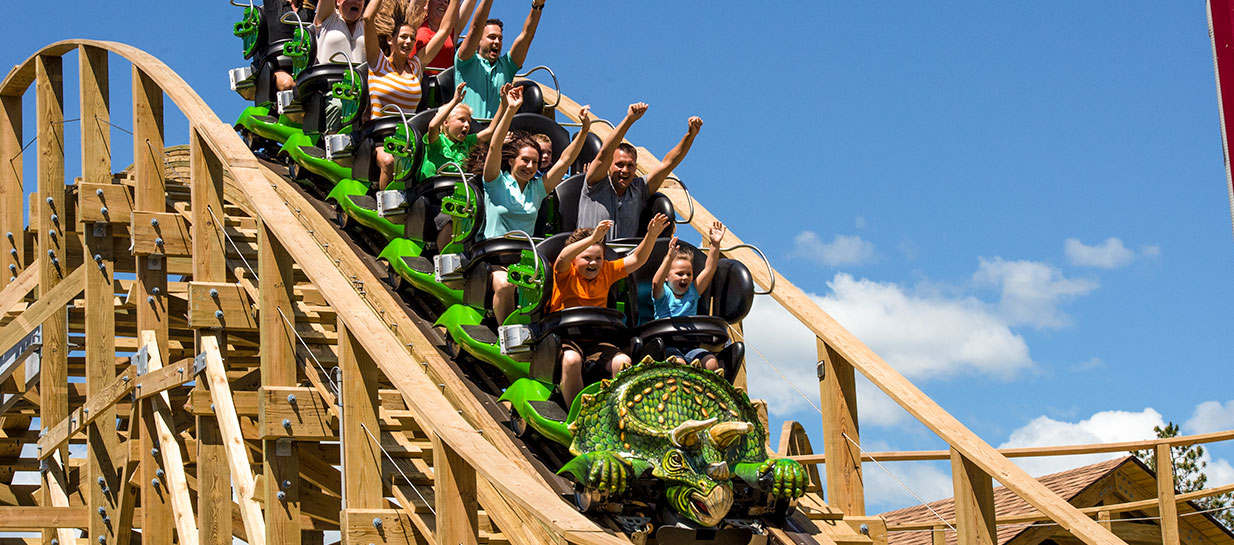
(135, 324)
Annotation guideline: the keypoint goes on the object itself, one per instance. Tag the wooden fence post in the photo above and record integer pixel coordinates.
(838, 393)
(454, 486)
(361, 456)
(12, 194)
(1165, 495)
(974, 502)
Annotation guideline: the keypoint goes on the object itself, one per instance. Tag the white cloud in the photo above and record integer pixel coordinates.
(929, 481)
(1102, 427)
(922, 336)
(1031, 291)
(926, 336)
(1150, 251)
(1092, 363)
(842, 250)
(1211, 416)
(1110, 254)
(860, 222)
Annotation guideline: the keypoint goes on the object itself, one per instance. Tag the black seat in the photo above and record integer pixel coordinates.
(271, 60)
(538, 124)
(313, 88)
(438, 89)
(371, 137)
(591, 148)
(424, 204)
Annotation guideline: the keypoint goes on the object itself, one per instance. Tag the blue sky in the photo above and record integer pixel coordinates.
(1022, 207)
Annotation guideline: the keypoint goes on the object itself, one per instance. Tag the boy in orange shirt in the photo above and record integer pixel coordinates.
(581, 278)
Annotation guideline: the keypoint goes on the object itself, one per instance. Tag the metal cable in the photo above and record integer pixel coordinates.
(776, 369)
(400, 470)
(233, 243)
(303, 343)
(897, 479)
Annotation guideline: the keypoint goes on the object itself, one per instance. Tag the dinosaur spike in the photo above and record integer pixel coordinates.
(725, 433)
(646, 360)
(587, 399)
(719, 371)
(740, 390)
(605, 382)
(695, 363)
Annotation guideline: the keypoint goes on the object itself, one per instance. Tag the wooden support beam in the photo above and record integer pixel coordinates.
(114, 206)
(16, 291)
(454, 484)
(1165, 495)
(974, 502)
(838, 393)
(175, 483)
(362, 458)
(207, 299)
(233, 440)
(294, 412)
(101, 380)
(378, 527)
(12, 194)
(160, 233)
(158, 381)
(278, 368)
(37, 518)
(55, 490)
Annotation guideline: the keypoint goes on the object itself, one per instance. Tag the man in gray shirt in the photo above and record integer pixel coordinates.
(613, 192)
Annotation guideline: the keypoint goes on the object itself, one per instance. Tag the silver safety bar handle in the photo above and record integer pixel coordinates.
(461, 176)
(250, 4)
(689, 200)
(535, 252)
(350, 64)
(770, 272)
(556, 85)
(401, 113)
(287, 21)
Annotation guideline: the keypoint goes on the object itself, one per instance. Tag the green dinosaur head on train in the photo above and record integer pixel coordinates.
(685, 426)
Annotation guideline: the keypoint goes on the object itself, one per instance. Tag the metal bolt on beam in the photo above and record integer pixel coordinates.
(291, 398)
(286, 483)
(218, 314)
(377, 522)
(214, 294)
(51, 201)
(159, 473)
(158, 241)
(154, 482)
(282, 496)
(154, 222)
(55, 218)
(103, 210)
(287, 423)
(99, 193)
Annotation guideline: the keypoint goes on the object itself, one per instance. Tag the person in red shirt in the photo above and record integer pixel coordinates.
(432, 22)
(581, 278)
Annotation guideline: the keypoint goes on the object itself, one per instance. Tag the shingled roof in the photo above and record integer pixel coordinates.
(1067, 484)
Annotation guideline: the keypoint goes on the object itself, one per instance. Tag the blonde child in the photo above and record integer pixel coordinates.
(675, 290)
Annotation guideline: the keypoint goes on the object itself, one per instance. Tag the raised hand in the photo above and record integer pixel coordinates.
(716, 234)
(584, 116)
(460, 91)
(636, 110)
(672, 246)
(602, 229)
(657, 225)
(695, 124)
(516, 97)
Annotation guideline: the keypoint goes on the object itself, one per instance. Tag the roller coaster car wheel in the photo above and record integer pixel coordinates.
(249, 139)
(519, 425)
(293, 170)
(586, 500)
(392, 278)
(341, 218)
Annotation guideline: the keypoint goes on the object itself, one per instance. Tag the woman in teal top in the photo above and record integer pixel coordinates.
(514, 189)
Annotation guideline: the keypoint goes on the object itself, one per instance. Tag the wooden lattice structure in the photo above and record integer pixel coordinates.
(229, 298)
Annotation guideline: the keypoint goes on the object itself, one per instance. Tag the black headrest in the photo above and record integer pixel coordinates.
(533, 97)
(559, 212)
(425, 198)
(731, 293)
(639, 304)
(536, 123)
(319, 78)
(591, 148)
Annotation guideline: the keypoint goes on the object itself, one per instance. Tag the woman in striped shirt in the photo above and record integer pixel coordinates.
(395, 80)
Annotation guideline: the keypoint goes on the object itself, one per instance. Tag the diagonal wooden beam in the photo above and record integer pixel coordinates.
(79, 419)
(20, 288)
(173, 461)
(233, 439)
(54, 300)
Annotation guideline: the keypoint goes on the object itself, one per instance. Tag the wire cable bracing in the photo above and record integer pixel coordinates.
(400, 470)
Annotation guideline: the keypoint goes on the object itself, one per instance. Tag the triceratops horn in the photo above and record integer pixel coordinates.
(686, 435)
(724, 434)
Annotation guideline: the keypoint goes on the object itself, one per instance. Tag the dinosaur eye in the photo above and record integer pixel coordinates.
(674, 461)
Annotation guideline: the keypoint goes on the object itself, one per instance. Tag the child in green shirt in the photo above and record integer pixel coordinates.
(447, 139)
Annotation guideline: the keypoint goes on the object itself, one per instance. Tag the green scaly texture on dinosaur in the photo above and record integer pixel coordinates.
(690, 427)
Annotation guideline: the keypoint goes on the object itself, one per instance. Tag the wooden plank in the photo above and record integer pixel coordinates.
(151, 288)
(99, 401)
(361, 457)
(838, 393)
(974, 503)
(15, 292)
(100, 327)
(37, 518)
(171, 230)
(12, 194)
(306, 419)
(158, 381)
(377, 526)
(232, 299)
(175, 482)
(1165, 495)
(55, 491)
(278, 368)
(117, 201)
(454, 484)
(233, 440)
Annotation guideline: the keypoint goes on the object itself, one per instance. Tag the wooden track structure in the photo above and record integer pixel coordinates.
(135, 324)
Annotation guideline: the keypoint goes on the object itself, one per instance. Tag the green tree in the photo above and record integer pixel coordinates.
(1189, 474)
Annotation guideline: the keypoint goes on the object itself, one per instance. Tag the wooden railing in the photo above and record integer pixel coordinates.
(473, 463)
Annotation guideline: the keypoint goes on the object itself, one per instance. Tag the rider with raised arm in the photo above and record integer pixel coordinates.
(613, 192)
(480, 64)
(395, 80)
(514, 189)
(432, 23)
(339, 30)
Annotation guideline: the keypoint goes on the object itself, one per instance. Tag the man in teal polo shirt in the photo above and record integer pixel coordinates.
(480, 64)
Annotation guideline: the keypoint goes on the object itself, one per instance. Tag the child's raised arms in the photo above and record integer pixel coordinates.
(555, 174)
(566, 257)
(657, 282)
(640, 255)
(714, 236)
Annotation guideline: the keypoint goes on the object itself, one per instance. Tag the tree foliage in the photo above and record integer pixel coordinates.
(1189, 474)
